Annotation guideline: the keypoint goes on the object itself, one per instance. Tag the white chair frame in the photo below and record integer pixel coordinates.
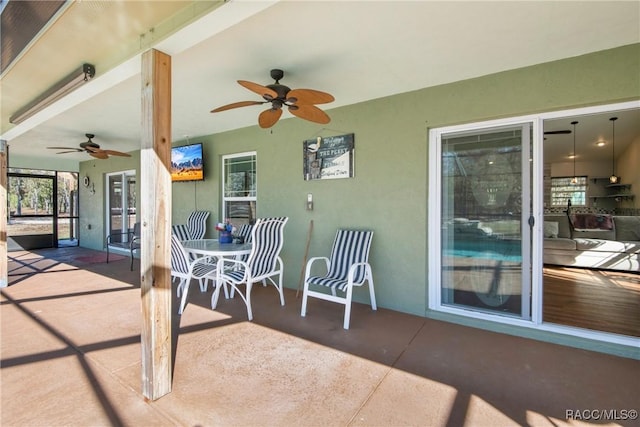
(202, 269)
(227, 267)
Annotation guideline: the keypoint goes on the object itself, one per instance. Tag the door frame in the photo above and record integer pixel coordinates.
(125, 217)
(533, 285)
(434, 220)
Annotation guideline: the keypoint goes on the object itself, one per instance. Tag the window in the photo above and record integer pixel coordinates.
(239, 190)
(563, 190)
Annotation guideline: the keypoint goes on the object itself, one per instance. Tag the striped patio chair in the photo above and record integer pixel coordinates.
(181, 231)
(347, 267)
(197, 224)
(245, 232)
(263, 264)
(181, 268)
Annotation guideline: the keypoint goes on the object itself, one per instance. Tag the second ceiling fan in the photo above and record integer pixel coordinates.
(92, 148)
(300, 102)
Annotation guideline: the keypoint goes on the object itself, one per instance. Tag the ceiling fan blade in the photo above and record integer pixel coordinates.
(269, 117)
(69, 151)
(308, 96)
(310, 112)
(558, 132)
(237, 105)
(263, 91)
(66, 148)
(99, 155)
(116, 153)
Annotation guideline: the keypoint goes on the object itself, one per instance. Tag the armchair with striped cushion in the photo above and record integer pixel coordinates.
(263, 264)
(347, 267)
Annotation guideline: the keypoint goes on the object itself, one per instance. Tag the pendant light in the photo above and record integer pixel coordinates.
(574, 180)
(613, 179)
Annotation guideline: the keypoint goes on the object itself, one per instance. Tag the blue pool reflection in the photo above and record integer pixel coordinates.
(498, 250)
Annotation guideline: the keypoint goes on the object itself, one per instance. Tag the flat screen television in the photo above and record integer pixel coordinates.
(186, 163)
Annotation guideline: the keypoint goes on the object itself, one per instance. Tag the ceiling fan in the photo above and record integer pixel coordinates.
(300, 102)
(558, 132)
(92, 148)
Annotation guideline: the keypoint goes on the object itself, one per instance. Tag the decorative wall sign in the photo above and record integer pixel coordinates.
(328, 158)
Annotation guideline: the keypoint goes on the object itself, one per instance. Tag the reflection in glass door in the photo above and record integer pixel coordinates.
(485, 211)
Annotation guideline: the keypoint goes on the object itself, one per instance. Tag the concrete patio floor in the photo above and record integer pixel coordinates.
(70, 355)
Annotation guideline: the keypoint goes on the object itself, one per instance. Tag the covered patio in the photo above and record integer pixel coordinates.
(71, 355)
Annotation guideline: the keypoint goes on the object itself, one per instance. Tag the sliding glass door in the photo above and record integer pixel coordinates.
(121, 203)
(485, 220)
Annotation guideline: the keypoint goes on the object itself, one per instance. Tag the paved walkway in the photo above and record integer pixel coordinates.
(70, 355)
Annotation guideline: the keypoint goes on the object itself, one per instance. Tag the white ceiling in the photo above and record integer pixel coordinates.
(355, 50)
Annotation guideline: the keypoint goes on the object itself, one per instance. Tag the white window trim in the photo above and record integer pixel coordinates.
(223, 181)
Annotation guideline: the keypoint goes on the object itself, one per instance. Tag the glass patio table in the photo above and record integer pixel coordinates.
(212, 247)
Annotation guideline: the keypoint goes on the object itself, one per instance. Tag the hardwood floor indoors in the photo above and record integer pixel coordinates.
(600, 300)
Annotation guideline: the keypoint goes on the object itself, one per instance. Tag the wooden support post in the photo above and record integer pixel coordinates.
(4, 269)
(155, 218)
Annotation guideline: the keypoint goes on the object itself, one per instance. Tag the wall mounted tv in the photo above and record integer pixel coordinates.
(186, 163)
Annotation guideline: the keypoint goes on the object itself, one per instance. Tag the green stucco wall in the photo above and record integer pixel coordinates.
(389, 191)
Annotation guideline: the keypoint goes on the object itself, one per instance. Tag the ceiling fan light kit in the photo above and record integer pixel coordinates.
(71, 82)
(574, 180)
(300, 102)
